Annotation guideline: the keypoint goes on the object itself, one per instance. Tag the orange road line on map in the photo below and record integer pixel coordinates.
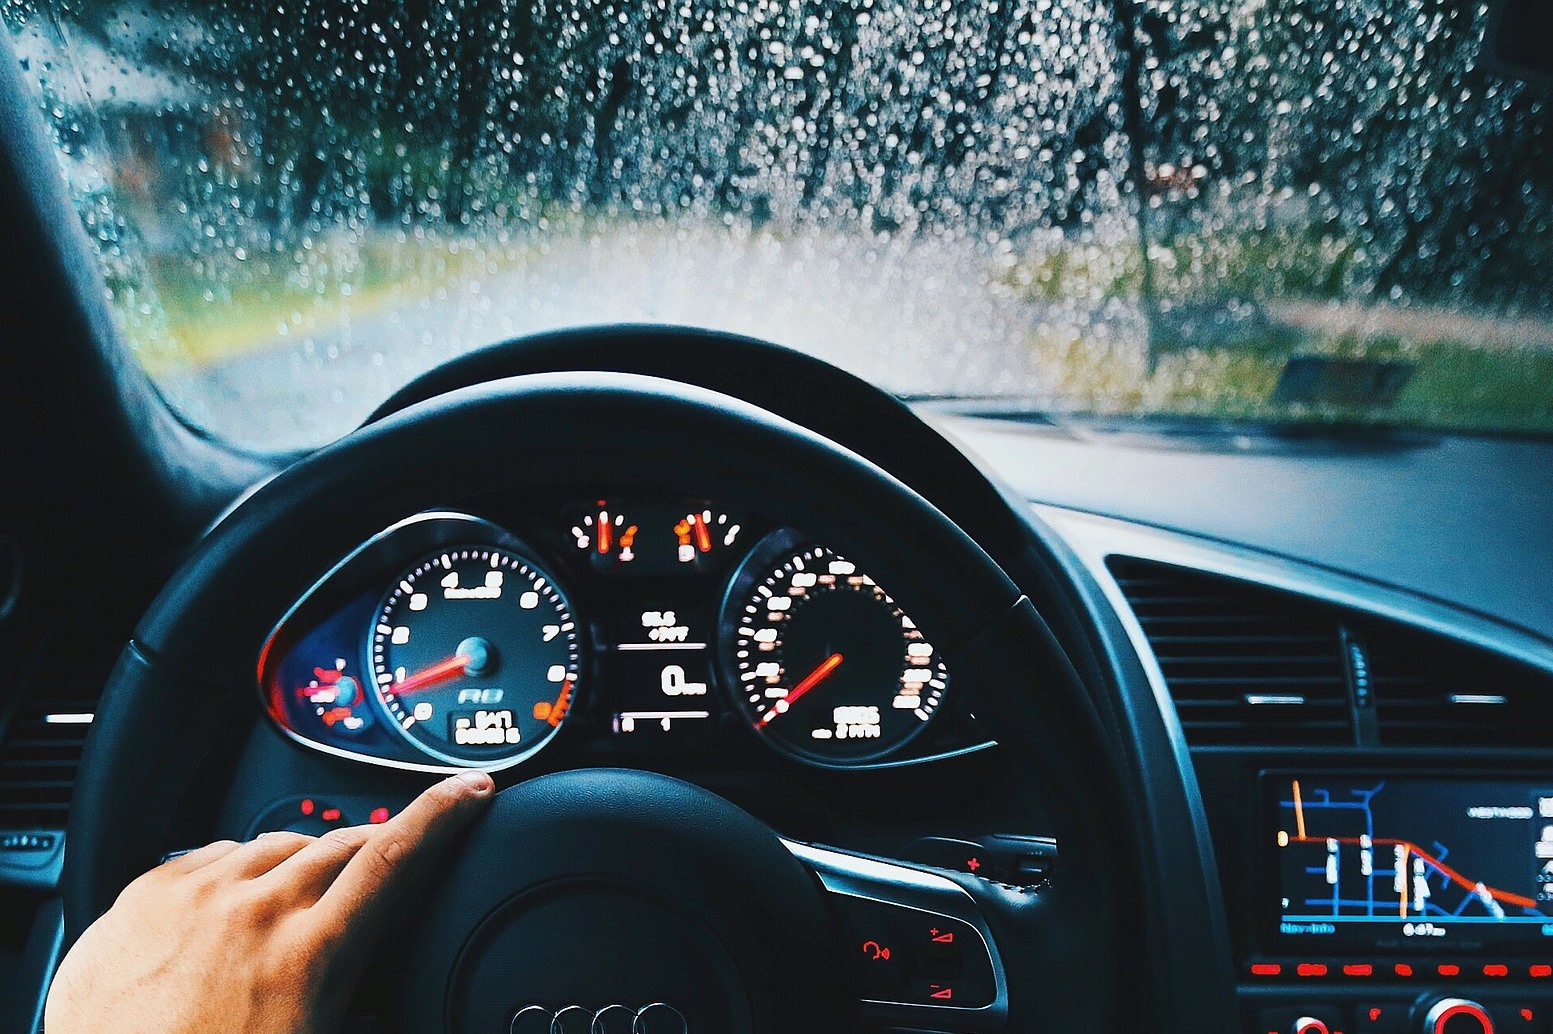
(1299, 813)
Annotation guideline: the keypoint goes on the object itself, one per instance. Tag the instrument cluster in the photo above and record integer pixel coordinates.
(626, 627)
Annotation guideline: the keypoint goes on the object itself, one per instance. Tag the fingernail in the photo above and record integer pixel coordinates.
(476, 782)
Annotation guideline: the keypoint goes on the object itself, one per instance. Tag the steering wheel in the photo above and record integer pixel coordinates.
(648, 902)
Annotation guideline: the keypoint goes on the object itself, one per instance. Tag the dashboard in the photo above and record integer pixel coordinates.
(1375, 775)
(658, 589)
(608, 626)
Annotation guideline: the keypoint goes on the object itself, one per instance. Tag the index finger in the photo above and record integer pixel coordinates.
(401, 849)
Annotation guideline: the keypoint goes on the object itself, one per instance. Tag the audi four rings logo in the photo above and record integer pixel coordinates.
(655, 1018)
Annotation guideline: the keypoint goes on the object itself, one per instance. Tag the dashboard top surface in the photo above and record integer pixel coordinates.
(1463, 520)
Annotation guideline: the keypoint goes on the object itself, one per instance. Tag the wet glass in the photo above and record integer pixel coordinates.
(1284, 210)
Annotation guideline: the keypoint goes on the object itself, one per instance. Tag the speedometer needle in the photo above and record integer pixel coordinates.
(439, 672)
(814, 678)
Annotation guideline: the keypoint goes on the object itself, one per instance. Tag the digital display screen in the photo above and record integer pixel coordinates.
(662, 668)
(1411, 863)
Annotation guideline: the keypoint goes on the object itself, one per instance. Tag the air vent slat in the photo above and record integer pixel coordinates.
(1431, 691)
(39, 757)
(1246, 666)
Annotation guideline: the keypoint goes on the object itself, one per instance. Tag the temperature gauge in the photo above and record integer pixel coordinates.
(607, 536)
(699, 534)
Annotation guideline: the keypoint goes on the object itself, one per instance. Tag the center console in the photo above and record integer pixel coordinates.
(1378, 897)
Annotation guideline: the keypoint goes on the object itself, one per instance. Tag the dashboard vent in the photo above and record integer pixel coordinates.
(1246, 666)
(1430, 691)
(42, 742)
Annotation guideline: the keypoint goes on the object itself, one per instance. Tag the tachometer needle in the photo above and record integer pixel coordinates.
(814, 678)
(439, 672)
(703, 533)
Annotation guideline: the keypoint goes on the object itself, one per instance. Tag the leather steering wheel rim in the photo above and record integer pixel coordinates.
(183, 689)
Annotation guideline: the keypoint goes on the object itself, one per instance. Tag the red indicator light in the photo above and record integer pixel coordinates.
(1528, 1015)
(941, 937)
(308, 806)
(330, 815)
(938, 991)
(1266, 969)
(1311, 969)
(1497, 970)
(1541, 971)
(378, 816)
(973, 864)
(1448, 970)
(1358, 969)
(1375, 1014)
(1402, 969)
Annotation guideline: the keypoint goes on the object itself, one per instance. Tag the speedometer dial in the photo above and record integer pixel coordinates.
(475, 656)
(828, 666)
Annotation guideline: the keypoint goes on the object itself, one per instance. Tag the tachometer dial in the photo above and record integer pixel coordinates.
(475, 655)
(828, 666)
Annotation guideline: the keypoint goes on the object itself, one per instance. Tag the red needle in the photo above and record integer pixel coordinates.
(814, 678)
(703, 533)
(439, 672)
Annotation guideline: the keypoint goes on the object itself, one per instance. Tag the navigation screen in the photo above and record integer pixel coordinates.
(1413, 863)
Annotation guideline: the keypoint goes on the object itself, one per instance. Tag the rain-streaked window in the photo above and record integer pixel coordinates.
(1270, 209)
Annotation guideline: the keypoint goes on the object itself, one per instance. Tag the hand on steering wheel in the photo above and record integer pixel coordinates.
(248, 936)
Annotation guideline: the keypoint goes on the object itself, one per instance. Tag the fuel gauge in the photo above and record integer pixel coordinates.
(606, 536)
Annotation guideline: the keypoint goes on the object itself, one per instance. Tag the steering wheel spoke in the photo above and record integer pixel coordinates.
(925, 957)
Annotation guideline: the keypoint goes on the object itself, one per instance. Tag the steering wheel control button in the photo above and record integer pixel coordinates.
(913, 957)
(1022, 861)
(965, 856)
(943, 961)
(881, 963)
(1310, 1025)
(1457, 1016)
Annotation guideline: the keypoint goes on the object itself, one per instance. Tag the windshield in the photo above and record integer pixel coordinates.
(1288, 210)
